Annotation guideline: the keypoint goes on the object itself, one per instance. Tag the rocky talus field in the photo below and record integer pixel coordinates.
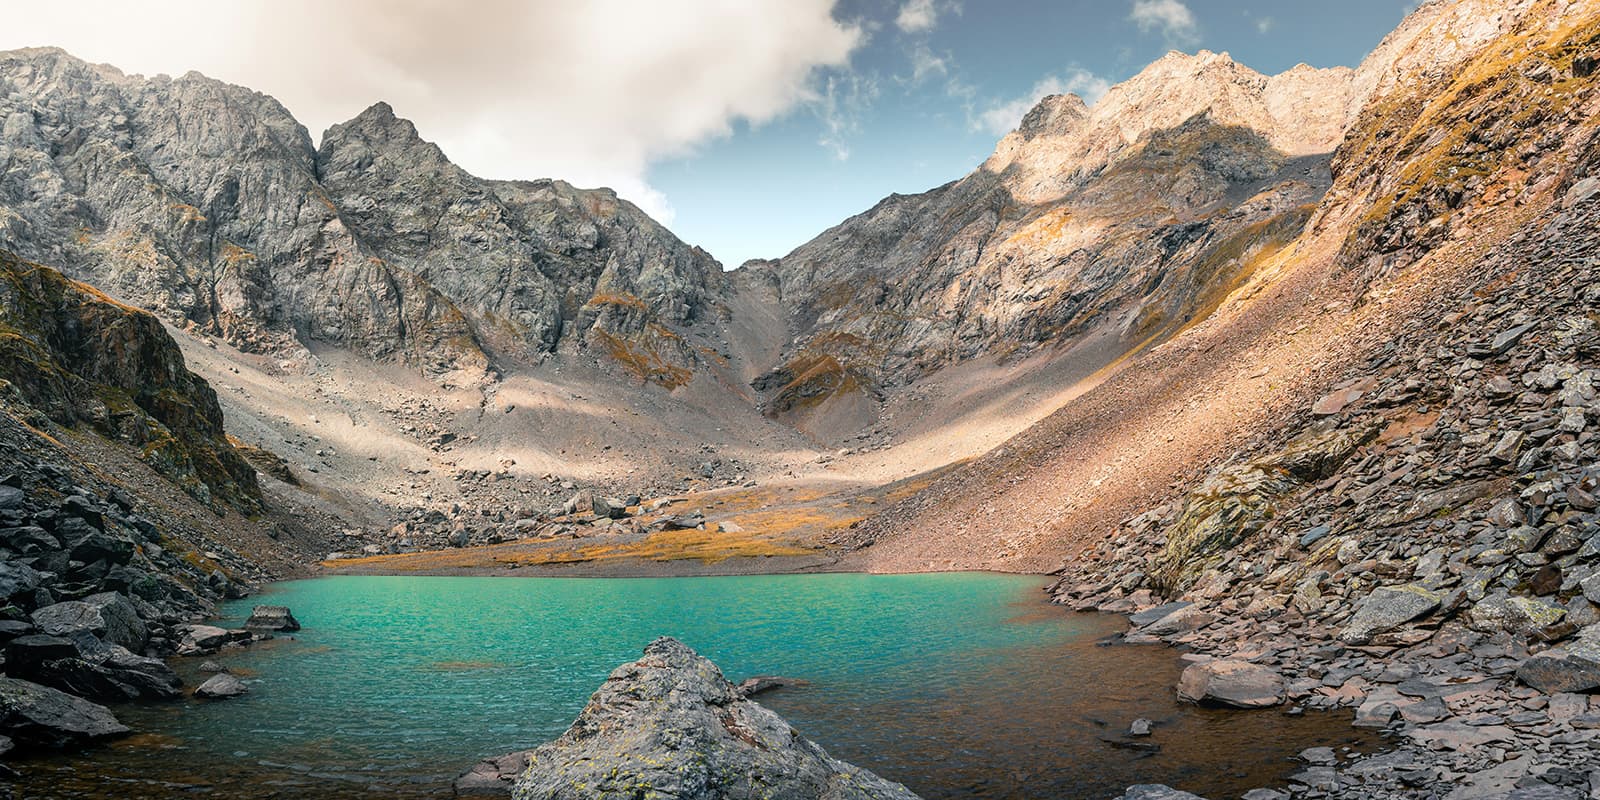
(1301, 372)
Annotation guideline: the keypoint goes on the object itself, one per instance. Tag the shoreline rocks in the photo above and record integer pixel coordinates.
(38, 716)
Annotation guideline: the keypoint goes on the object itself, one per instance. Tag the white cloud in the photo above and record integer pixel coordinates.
(1002, 118)
(917, 16)
(1171, 18)
(926, 64)
(1264, 25)
(591, 92)
(843, 99)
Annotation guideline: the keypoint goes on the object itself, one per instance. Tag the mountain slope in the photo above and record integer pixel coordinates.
(1434, 174)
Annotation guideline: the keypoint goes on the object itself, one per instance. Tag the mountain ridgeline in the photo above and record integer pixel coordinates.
(208, 204)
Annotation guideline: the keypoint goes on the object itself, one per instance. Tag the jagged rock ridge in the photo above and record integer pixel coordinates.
(207, 203)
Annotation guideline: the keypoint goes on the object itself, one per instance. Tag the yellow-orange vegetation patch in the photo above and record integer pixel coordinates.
(707, 547)
(643, 361)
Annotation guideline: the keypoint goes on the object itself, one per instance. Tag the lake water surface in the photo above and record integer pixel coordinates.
(958, 685)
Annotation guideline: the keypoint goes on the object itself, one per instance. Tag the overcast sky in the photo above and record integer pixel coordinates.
(748, 126)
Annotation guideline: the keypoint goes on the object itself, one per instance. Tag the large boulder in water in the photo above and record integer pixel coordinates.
(670, 725)
(1238, 684)
(38, 716)
(271, 618)
(221, 686)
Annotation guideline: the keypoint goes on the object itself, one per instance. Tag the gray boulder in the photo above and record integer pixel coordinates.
(271, 618)
(220, 687)
(1513, 614)
(1570, 667)
(85, 666)
(1238, 684)
(38, 716)
(670, 725)
(1387, 608)
(107, 615)
(1149, 615)
(1181, 620)
(608, 508)
(29, 540)
(1156, 791)
(17, 579)
(202, 640)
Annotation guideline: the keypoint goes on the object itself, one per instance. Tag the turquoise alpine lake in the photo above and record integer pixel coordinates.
(957, 685)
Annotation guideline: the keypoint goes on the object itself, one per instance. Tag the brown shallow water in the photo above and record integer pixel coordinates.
(956, 686)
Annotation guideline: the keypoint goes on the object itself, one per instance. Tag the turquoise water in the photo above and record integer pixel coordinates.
(956, 684)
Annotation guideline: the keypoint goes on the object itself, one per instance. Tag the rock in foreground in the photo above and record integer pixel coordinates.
(670, 725)
(39, 716)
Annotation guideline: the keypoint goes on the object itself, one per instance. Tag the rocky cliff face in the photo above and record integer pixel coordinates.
(1132, 217)
(207, 203)
(78, 357)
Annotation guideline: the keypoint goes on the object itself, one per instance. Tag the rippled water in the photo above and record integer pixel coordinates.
(958, 685)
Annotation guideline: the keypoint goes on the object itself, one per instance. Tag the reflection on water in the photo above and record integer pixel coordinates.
(958, 685)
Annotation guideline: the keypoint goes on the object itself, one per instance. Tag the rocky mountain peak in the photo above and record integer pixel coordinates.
(1300, 112)
(378, 128)
(1055, 115)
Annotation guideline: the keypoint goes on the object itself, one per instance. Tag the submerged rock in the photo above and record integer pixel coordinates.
(761, 684)
(670, 725)
(1156, 791)
(38, 716)
(492, 777)
(221, 686)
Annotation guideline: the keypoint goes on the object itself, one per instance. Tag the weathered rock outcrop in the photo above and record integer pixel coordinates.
(80, 358)
(670, 725)
(207, 203)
